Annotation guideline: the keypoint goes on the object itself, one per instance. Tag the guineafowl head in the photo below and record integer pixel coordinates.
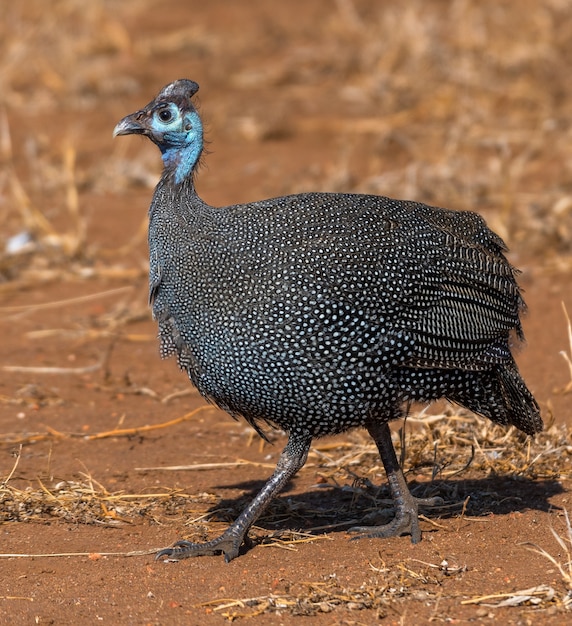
(172, 122)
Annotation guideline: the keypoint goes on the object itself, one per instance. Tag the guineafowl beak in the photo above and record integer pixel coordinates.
(131, 125)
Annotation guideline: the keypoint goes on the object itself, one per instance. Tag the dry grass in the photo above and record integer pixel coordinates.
(439, 449)
(567, 355)
(463, 104)
(565, 568)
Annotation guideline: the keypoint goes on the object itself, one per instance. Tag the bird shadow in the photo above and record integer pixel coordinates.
(327, 508)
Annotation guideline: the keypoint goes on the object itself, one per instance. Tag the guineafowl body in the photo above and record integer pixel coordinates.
(321, 312)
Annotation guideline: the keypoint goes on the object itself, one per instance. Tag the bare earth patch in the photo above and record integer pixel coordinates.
(107, 454)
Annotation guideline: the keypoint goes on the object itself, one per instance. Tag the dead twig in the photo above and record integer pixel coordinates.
(205, 466)
(116, 432)
(567, 357)
(92, 555)
(7, 479)
(27, 308)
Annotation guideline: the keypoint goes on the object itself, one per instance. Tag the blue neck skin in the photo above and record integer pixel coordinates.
(181, 150)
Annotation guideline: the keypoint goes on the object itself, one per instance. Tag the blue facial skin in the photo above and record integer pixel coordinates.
(179, 137)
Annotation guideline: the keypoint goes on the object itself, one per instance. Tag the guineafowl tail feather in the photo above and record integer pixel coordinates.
(501, 395)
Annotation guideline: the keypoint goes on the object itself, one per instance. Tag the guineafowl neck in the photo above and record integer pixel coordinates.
(178, 203)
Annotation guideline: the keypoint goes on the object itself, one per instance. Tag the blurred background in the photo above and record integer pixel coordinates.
(463, 103)
(458, 103)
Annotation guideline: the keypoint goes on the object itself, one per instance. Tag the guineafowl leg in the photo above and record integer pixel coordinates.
(406, 520)
(291, 460)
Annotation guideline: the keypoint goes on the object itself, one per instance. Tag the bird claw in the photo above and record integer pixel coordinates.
(227, 543)
(434, 501)
(405, 522)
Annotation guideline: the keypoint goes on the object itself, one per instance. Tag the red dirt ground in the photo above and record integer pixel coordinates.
(270, 135)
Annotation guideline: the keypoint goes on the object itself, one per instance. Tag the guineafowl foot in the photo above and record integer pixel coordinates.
(406, 520)
(228, 543)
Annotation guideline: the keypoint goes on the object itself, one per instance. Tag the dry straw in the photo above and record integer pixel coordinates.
(461, 447)
(462, 104)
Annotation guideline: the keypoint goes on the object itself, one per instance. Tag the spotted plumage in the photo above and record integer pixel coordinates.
(321, 312)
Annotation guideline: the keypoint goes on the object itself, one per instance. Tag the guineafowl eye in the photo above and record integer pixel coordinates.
(321, 312)
(167, 114)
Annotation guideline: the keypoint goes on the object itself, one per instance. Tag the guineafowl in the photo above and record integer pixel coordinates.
(320, 312)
